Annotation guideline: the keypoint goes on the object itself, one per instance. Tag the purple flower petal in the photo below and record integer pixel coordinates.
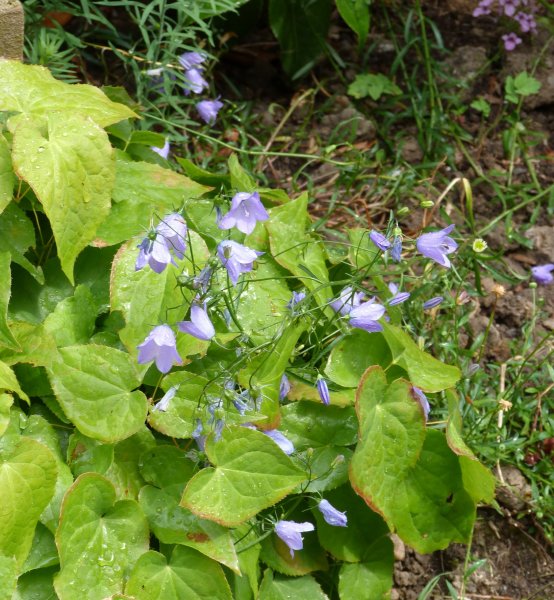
(511, 40)
(173, 229)
(160, 345)
(236, 258)
(542, 273)
(284, 387)
(155, 250)
(246, 210)
(163, 404)
(282, 441)
(397, 297)
(208, 109)
(194, 82)
(163, 152)
(191, 60)
(432, 302)
(199, 325)
(297, 297)
(323, 391)
(422, 399)
(332, 515)
(347, 300)
(291, 533)
(366, 316)
(379, 240)
(437, 245)
(396, 249)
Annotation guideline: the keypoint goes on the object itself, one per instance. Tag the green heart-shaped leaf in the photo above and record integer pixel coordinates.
(98, 539)
(250, 473)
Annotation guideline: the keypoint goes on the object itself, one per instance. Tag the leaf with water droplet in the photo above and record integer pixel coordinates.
(8, 577)
(405, 471)
(18, 234)
(297, 251)
(143, 191)
(8, 381)
(42, 431)
(169, 470)
(31, 89)
(36, 585)
(91, 536)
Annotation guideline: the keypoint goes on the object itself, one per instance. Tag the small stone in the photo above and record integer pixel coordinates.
(466, 63)
(404, 578)
(549, 324)
(411, 151)
(516, 492)
(542, 237)
(399, 547)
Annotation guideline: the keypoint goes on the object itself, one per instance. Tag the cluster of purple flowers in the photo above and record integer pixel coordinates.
(193, 66)
(521, 11)
(436, 245)
(291, 531)
(167, 241)
(364, 315)
(159, 246)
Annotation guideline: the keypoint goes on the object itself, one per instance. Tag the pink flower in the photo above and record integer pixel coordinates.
(511, 40)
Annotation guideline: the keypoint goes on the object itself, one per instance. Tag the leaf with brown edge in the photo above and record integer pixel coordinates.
(404, 472)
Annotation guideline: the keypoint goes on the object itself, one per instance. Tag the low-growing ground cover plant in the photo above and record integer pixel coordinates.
(201, 396)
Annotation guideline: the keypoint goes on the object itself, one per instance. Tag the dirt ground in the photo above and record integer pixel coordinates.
(516, 567)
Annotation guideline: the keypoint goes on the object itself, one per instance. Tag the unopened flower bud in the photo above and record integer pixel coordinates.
(472, 369)
(338, 460)
(462, 298)
(427, 204)
(213, 262)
